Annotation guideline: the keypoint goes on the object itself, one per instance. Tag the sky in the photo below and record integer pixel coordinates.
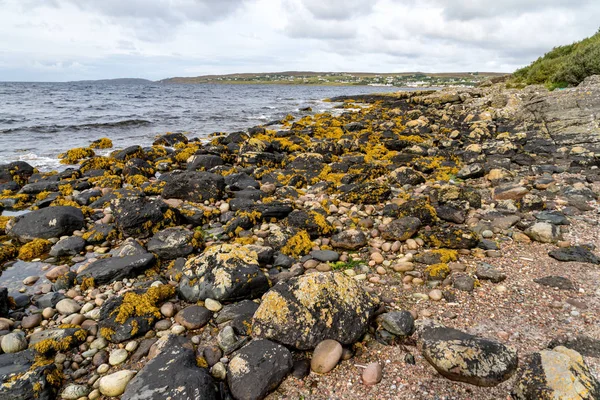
(61, 40)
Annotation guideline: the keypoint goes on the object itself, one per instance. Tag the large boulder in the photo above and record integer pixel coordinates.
(258, 368)
(193, 186)
(174, 242)
(226, 272)
(140, 217)
(461, 357)
(303, 311)
(556, 374)
(108, 270)
(23, 379)
(172, 374)
(401, 229)
(47, 223)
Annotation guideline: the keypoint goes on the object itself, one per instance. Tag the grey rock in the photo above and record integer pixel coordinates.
(576, 254)
(111, 269)
(558, 282)
(47, 223)
(172, 243)
(399, 323)
(490, 273)
(70, 246)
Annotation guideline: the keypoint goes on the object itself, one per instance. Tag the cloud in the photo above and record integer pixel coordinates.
(338, 10)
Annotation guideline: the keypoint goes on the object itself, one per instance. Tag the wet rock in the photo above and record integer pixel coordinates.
(193, 186)
(576, 254)
(3, 302)
(193, 317)
(303, 311)
(543, 232)
(225, 272)
(401, 229)
(552, 217)
(21, 380)
(114, 384)
(111, 269)
(241, 181)
(204, 162)
(326, 356)
(170, 139)
(70, 246)
(47, 223)
(490, 273)
(461, 357)
(351, 239)
(139, 216)
(258, 368)
(49, 299)
(399, 323)
(556, 374)
(172, 243)
(558, 282)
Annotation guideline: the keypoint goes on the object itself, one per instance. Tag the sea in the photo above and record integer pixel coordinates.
(38, 121)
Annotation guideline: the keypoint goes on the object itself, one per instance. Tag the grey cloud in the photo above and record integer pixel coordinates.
(338, 9)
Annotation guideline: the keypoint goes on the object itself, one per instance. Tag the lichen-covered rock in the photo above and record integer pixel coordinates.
(141, 217)
(556, 374)
(112, 269)
(311, 221)
(51, 341)
(172, 374)
(401, 229)
(21, 379)
(134, 313)
(175, 242)
(193, 186)
(451, 237)
(461, 357)
(258, 368)
(226, 272)
(366, 193)
(47, 223)
(303, 311)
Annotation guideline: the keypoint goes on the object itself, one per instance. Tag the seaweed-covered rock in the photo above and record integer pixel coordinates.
(112, 269)
(407, 176)
(241, 181)
(170, 139)
(226, 272)
(560, 373)
(134, 313)
(303, 311)
(461, 357)
(63, 338)
(401, 229)
(21, 379)
(451, 237)
(176, 242)
(193, 186)
(172, 374)
(204, 162)
(366, 193)
(140, 217)
(258, 368)
(311, 221)
(47, 223)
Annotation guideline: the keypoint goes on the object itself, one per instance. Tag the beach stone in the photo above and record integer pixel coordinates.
(172, 243)
(241, 181)
(70, 246)
(490, 273)
(47, 223)
(212, 305)
(575, 254)
(373, 374)
(325, 255)
(225, 272)
(436, 295)
(74, 391)
(172, 374)
(67, 307)
(305, 310)
(258, 368)
(558, 282)
(238, 315)
(114, 385)
(117, 357)
(463, 282)
(560, 373)
(193, 317)
(401, 229)
(138, 216)
(398, 323)
(193, 186)
(204, 162)
(14, 342)
(112, 269)
(451, 237)
(49, 300)
(21, 379)
(461, 357)
(543, 232)
(351, 239)
(4, 306)
(167, 309)
(31, 321)
(142, 349)
(326, 356)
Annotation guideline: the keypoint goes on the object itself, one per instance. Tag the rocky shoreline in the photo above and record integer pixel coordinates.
(419, 245)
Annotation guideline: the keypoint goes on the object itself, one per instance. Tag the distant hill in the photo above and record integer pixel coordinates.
(564, 65)
(128, 81)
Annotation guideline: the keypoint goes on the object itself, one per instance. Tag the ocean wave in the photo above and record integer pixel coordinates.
(58, 128)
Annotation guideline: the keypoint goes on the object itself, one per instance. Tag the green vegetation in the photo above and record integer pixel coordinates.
(564, 65)
(350, 264)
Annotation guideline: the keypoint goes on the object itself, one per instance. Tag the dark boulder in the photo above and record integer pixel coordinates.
(311, 221)
(172, 243)
(258, 368)
(108, 270)
(21, 379)
(303, 311)
(70, 246)
(139, 217)
(401, 229)
(47, 223)
(170, 139)
(193, 186)
(241, 181)
(172, 374)
(204, 162)
(576, 254)
(451, 237)
(366, 193)
(4, 305)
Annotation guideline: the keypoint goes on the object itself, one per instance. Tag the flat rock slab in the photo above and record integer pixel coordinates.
(20, 380)
(576, 254)
(558, 282)
(47, 223)
(112, 269)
